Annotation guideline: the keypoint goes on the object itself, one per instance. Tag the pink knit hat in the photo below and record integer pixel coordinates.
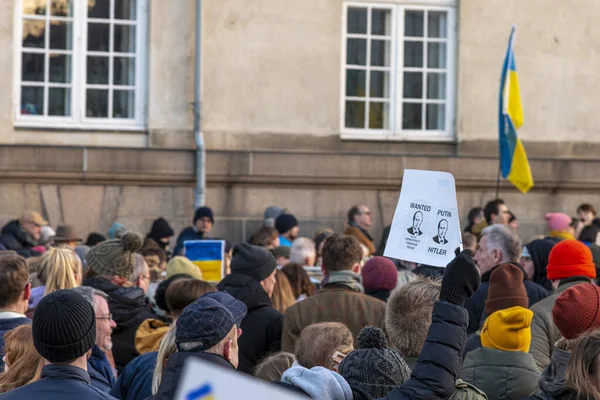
(558, 221)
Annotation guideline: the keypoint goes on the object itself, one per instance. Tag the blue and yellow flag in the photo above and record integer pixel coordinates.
(208, 256)
(513, 159)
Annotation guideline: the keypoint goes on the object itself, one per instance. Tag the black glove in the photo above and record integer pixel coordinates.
(461, 279)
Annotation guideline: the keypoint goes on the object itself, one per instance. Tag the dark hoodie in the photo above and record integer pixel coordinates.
(261, 326)
(14, 238)
(552, 380)
(129, 309)
(539, 251)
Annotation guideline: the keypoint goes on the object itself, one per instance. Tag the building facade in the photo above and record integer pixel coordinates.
(314, 105)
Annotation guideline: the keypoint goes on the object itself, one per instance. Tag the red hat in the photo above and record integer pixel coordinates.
(570, 258)
(506, 289)
(577, 310)
(379, 273)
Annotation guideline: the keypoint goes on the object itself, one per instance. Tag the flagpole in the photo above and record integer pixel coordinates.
(498, 182)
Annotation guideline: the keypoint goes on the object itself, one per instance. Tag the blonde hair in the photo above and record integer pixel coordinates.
(271, 368)
(318, 342)
(283, 295)
(60, 268)
(584, 365)
(166, 348)
(25, 364)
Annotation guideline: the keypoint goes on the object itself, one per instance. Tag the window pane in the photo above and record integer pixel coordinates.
(60, 68)
(123, 104)
(59, 101)
(380, 22)
(379, 85)
(124, 71)
(61, 8)
(61, 35)
(98, 37)
(357, 20)
(125, 9)
(99, 9)
(356, 52)
(32, 100)
(379, 115)
(436, 55)
(413, 23)
(96, 103)
(124, 39)
(34, 33)
(97, 70)
(355, 114)
(356, 83)
(437, 24)
(413, 54)
(32, 67)
(380, 53)
(413, 85)
(34, 7)
(411, 116)
(436, 86)
(436, 117)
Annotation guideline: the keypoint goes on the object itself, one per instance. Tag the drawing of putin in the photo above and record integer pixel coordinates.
(442, 230)
(415, 229)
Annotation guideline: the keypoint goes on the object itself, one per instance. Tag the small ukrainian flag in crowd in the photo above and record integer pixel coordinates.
(204, 392)
(514, 164)
(208, 256)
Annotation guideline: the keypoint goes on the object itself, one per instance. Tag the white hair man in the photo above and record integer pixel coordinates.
(303, 252)
(101, 372)
(498, 245)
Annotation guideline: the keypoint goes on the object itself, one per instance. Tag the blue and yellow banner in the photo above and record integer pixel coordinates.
(514, 164)
(208, 255)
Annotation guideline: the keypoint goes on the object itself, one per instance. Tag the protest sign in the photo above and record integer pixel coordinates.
(426, 227)
(205, 381)
(209, 256)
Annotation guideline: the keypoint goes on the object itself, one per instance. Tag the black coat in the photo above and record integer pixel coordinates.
(262, 325)
(59, 382)
(129, 309)
(475, 305)
(188, 233)
(173, 372)
(14, 238)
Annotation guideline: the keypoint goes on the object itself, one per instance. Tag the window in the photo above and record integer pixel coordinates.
(80, 64)
(398, 78)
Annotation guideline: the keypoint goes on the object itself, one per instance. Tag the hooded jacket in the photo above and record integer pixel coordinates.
(475, 305)
(14, 238)
(59, 382)
(539, 251)
(502, 375)
(262, 324)
(544, 332)
(129, 309)
(5, 326)
(135, 382)
(100, 371)
(174, 371)
(318, 383)
(552, 381)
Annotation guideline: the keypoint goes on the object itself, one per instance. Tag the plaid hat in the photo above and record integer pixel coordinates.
(115, 257)
(208, 321)
(237, 308)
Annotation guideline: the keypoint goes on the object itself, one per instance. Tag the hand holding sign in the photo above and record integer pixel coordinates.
(425, 228)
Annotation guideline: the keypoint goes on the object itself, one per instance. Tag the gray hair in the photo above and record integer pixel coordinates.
(504, 239)
(88, 294)
(302, 249)
(166, 348)
(139, 266)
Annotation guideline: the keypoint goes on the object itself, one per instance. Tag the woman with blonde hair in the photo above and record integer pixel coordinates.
(23, 363)
(59, 268)
(283, 295)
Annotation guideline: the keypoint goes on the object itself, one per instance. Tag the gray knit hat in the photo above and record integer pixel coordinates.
(373, 367)
(115, 257)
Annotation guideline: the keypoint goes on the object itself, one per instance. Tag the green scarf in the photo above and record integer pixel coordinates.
(345, 278)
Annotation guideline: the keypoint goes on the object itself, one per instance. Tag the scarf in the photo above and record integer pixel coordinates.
(345, 278)
(562, 235)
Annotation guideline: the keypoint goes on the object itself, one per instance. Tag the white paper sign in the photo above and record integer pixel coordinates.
(205, 381)
(426, 227)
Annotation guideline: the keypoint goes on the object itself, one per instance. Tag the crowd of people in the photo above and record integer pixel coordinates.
(326, 317)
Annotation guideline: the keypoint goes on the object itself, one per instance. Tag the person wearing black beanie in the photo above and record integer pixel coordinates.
(203, 222)
(161, 232)
(64, 332)
(252, 281)
(287, 225)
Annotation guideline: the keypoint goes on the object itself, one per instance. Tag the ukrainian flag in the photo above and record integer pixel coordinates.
(208, 256)
(513, 159)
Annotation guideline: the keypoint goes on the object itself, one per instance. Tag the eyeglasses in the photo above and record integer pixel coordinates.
(106, 318)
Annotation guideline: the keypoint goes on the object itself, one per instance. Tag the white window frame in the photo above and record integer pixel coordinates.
(78, 119)
(396, 133)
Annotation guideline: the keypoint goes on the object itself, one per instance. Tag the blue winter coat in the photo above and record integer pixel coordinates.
(100, 370)
(188, 233)
(59, 382)
(5, 326)
(135, 381)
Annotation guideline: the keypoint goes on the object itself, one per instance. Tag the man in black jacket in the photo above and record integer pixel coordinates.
(22, 234)
(64, 331)
(252, 281)
(498, 245)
